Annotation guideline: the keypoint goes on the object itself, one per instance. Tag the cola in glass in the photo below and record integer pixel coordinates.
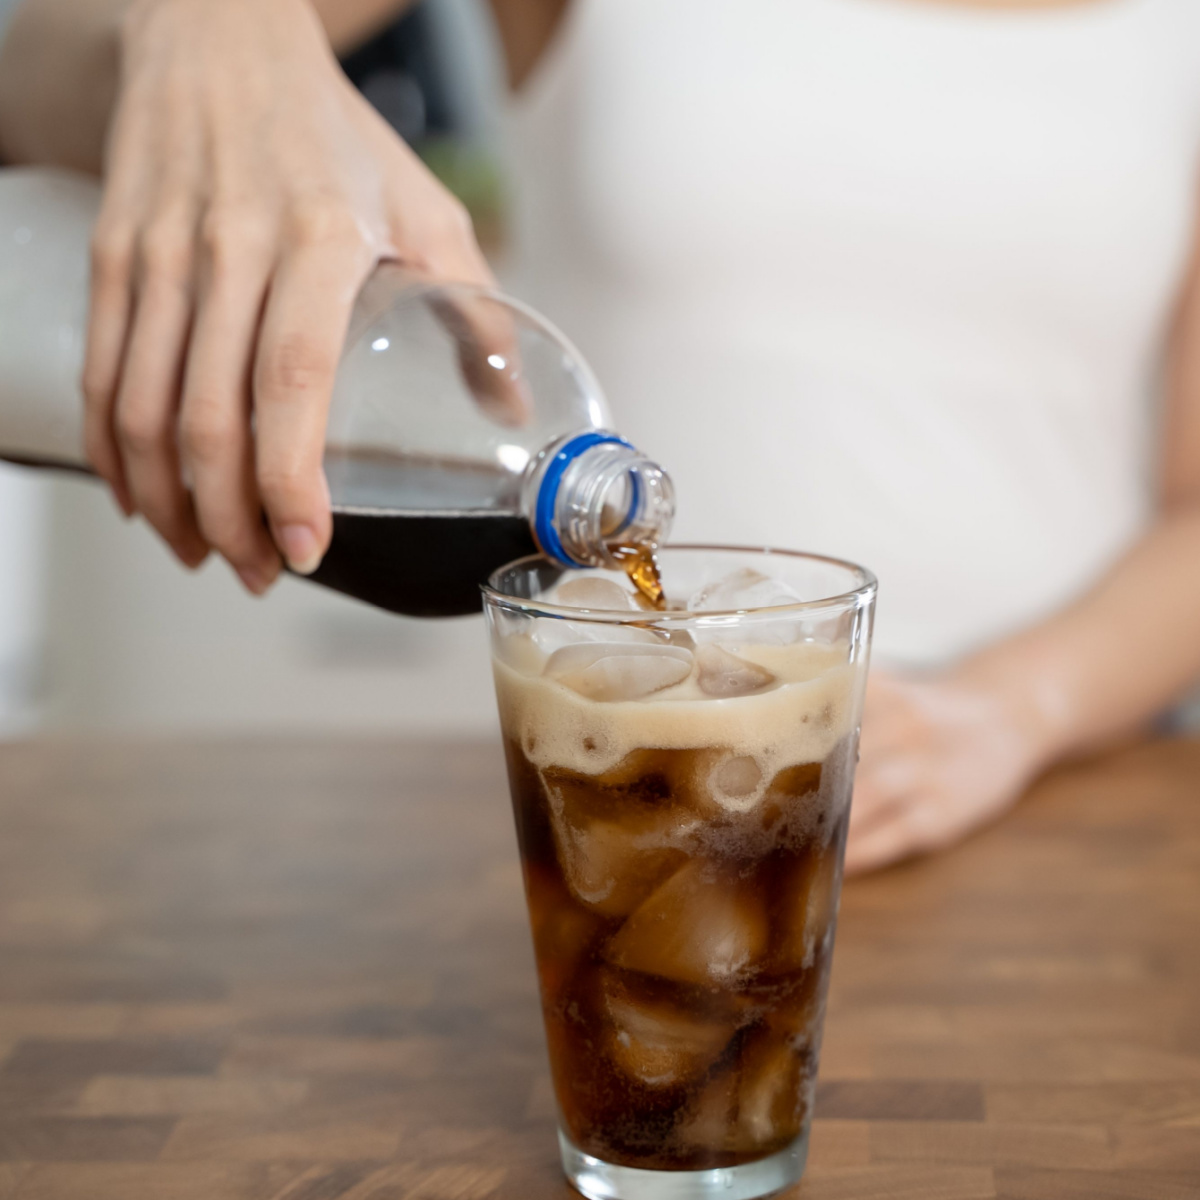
(681, 785)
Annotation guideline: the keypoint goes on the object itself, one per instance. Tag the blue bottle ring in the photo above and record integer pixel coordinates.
(547, 499)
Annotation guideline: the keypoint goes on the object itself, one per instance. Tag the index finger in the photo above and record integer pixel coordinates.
(303, 329)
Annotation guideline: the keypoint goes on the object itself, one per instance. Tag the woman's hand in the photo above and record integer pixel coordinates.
(249, 192)
(940, 756)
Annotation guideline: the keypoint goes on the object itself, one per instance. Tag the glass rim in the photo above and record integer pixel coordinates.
(856, 597)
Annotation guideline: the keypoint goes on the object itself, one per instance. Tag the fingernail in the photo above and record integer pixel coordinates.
(300, 548)
(192, 556)
(254, 580)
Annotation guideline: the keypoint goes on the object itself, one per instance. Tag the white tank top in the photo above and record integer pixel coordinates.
(877, 278)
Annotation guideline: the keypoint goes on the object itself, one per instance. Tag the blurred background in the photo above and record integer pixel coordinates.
(100, 630)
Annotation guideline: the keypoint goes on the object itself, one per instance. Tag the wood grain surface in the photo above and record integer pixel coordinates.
(301, 971)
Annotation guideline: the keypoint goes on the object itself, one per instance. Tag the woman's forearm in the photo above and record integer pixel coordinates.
(60, 63)
(1116, 658)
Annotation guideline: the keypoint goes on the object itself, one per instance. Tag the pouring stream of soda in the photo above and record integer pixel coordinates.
(640, 562)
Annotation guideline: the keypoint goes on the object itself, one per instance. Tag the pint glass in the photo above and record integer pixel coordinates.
(681, 784)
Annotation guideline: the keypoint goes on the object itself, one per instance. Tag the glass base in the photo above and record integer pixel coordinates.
(599, 1180)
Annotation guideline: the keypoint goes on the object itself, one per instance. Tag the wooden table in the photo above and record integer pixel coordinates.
(301, 971)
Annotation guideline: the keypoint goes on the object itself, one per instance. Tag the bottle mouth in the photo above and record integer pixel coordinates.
(546, 508)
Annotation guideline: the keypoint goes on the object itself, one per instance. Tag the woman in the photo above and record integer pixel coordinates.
(900, 275)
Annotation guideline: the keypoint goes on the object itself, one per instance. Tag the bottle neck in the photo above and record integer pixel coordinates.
(589, 492)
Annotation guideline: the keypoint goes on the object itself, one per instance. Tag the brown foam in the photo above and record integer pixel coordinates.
(799, 720)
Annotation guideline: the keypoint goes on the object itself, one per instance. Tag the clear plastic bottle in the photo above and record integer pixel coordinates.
(464, 431)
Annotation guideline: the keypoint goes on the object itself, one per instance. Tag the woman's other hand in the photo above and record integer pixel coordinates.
(941, 756)
(249, 192)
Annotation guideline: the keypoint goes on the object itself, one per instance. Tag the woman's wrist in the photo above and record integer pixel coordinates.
(1030, 696)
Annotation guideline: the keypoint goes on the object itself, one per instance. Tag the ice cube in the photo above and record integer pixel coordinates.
(619, 670)
(725, 675)
(522, 653)
(555, 633)
(644, 781)
(703, 926)
(709, 1121)
(756, 1105)
(793, 797)
(612, 866)
(658, 1043)
(618, 833)
(771, 1100)
(737, 777)
(735, 784)
(807, 907)
(701, 783)
(596, 593)
(801, 781)
(793, 802)
(745, 588)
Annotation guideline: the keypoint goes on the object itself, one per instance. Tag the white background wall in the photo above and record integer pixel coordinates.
(101, 630)
(23, 529)
(132, 640)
